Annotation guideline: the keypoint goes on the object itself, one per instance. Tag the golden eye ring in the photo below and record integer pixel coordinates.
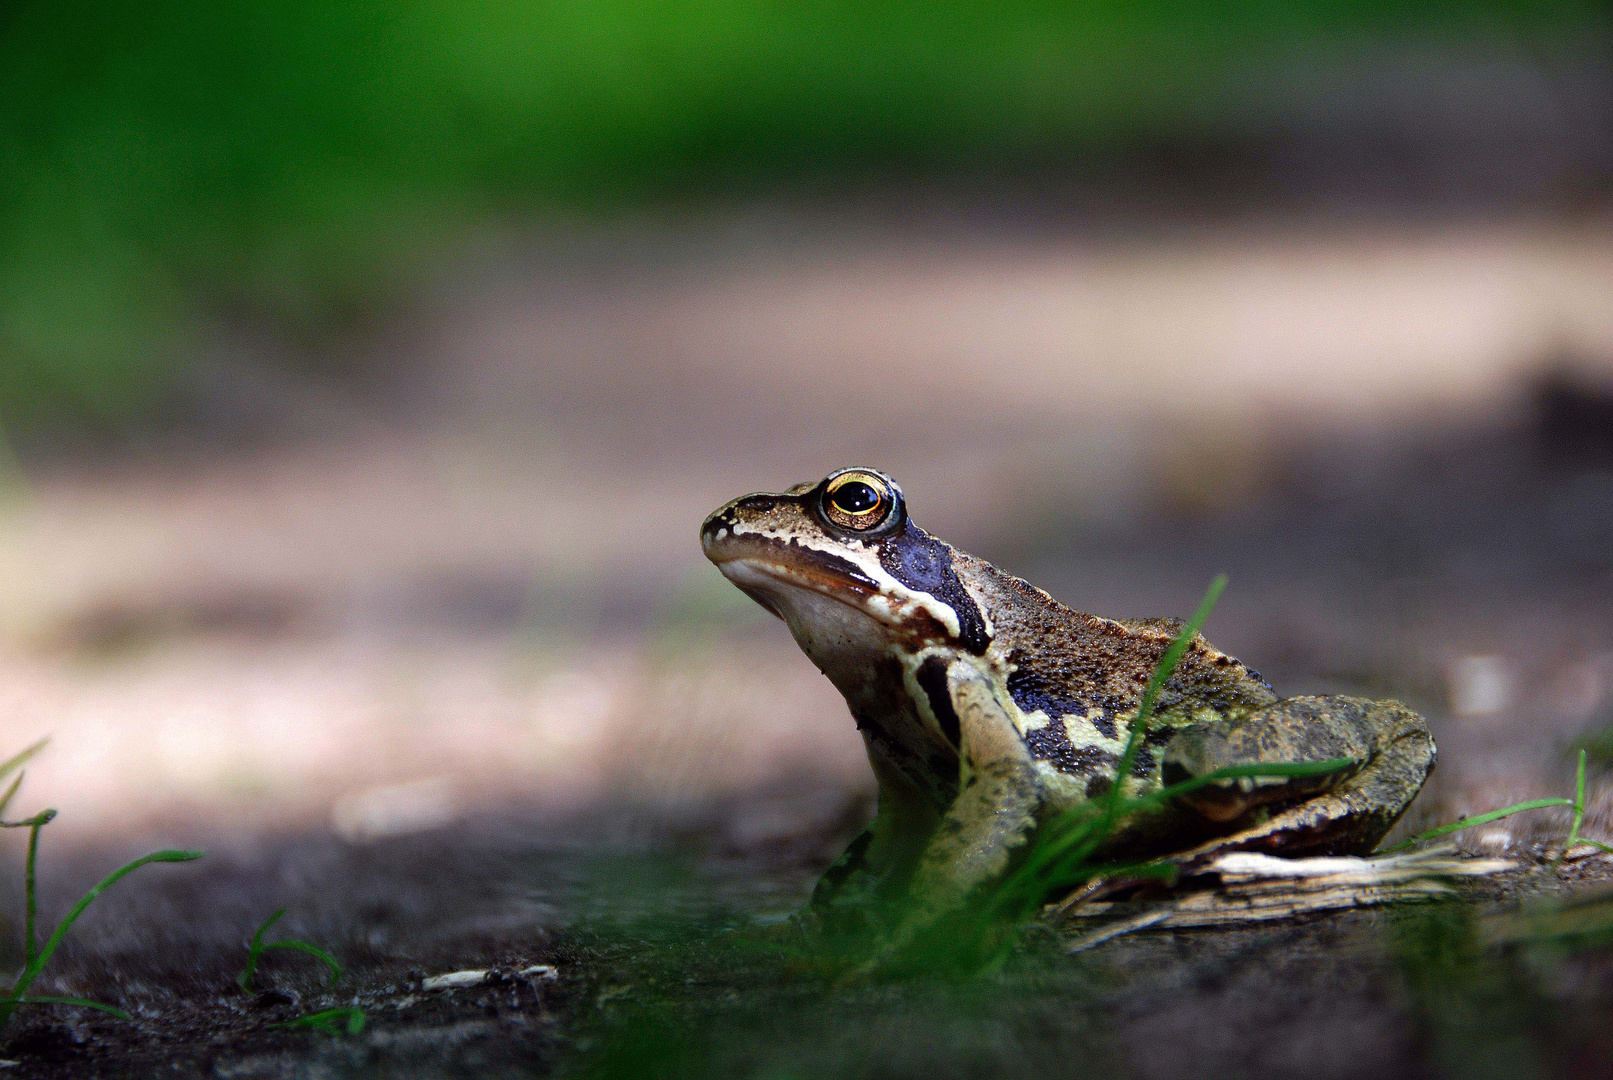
(857, 500)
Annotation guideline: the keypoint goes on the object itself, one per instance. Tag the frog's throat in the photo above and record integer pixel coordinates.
(887, 602)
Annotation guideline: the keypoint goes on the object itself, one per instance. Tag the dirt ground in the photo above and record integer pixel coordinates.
(431, 660)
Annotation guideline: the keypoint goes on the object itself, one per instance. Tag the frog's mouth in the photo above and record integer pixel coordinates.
(761, 580)
(791, 579)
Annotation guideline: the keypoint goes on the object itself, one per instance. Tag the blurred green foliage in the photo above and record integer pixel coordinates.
(294, 161)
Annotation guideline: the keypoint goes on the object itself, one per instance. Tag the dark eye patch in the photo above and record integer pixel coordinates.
(924, 564)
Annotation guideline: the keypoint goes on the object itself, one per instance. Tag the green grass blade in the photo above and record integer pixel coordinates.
(1579, 810)
(80, 1002)
(1274, 769)
(1178, 648)
(1479, 819)
(1579, 817)
(257, 948)
(30, 928)
(330, 1021)
(1073, 837)
(5, 800)
(41, 819)
(1156, 682)
(30, 936)
(257, 938)
(253, 951)
(312, 950)
(17, 761)
(32, 970)
(1067, 867)
(1145, 708)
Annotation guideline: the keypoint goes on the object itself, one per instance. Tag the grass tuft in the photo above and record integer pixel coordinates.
(258, 947)
(36, 956)
(1577, 804)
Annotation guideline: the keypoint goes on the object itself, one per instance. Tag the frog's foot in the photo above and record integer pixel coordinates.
(1389, 754)
(846, 874)
(848, 899)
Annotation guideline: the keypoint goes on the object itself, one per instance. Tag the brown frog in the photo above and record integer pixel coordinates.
(987, 707)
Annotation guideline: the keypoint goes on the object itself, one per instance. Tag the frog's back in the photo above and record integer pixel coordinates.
(1078, 680)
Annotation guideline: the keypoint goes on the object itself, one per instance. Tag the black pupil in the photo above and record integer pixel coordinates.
(855, 497)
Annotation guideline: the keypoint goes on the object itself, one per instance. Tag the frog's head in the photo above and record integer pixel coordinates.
(840, 562)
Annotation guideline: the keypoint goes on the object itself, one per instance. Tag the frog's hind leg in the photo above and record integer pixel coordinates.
(1346, 812)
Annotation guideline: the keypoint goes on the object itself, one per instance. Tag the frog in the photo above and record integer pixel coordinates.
(988, 709)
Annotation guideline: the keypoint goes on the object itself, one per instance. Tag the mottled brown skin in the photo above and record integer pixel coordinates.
(987, 707)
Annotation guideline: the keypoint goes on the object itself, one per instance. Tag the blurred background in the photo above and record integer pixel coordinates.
(367, 368)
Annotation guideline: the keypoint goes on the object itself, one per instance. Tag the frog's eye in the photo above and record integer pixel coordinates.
(857, 500)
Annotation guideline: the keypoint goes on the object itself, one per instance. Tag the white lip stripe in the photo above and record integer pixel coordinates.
(893, 604)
